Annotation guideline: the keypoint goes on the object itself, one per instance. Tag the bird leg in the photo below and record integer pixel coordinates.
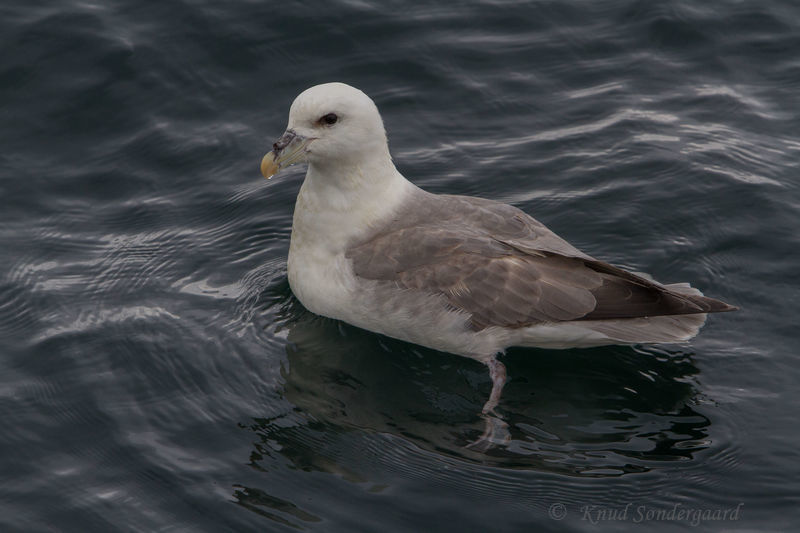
(495, 429)
(497, 371)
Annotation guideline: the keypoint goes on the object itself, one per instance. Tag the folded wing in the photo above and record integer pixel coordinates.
(505, 269)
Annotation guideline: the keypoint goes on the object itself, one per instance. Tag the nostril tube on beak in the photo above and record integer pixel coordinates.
(291, 148)
(284, 141)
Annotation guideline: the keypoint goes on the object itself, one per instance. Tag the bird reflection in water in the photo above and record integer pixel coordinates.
(604, 411)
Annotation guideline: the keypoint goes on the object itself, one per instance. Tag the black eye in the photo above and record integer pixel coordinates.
(329, 119)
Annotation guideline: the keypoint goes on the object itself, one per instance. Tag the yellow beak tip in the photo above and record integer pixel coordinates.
(268, 165)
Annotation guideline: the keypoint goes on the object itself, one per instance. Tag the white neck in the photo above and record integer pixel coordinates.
(339, 203)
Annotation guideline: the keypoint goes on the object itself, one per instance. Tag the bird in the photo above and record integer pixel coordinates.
(459, 274)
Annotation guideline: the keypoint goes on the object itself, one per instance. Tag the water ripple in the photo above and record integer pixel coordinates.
(156, 367)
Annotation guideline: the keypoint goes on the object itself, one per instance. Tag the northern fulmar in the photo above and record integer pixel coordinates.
(458, 274)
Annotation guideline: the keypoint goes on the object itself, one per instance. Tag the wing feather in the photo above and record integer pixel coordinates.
(504, 268)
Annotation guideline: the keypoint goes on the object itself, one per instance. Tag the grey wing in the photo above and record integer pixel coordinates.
(505, 269)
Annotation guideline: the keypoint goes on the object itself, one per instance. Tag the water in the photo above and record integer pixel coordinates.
(156, 373)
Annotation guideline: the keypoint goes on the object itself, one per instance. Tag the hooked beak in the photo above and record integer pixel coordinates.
(288, 150)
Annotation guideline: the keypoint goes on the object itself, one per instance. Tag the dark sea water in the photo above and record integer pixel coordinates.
(156, 373)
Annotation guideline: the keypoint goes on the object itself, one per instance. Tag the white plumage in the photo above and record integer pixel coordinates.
(456, 274)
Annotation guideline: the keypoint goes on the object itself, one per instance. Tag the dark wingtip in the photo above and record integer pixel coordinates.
(718, 306)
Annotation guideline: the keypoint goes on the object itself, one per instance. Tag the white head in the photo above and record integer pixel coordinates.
(330, 125)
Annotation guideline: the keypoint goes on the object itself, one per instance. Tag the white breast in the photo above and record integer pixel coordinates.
(321, 280)
(326, 219)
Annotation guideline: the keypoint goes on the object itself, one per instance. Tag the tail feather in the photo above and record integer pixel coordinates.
(649, 330)
(637, 330)
(657, 329)
(711, 305)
